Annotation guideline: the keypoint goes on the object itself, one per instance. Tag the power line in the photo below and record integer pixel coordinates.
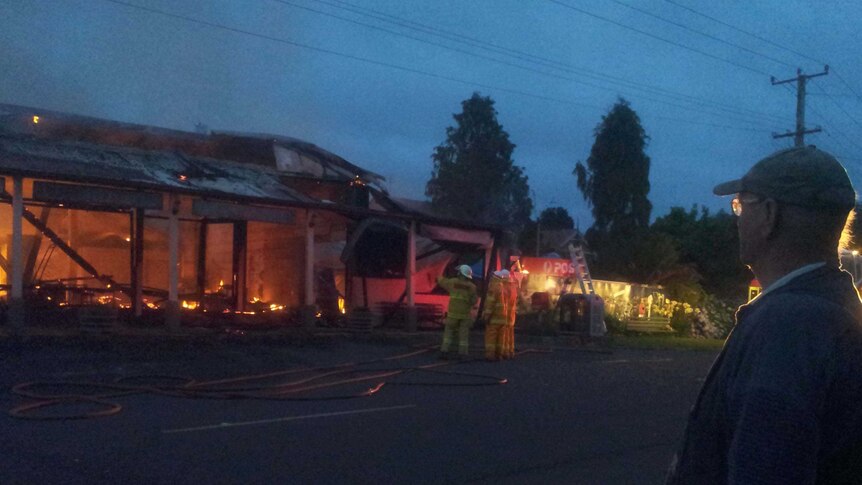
(848, 85)
(653, 36)
(342, 54)
(704, 34)
(524, 56)
(836, 103)
(714, 125)
(762, 39)
(481, 56)
(219, 26)
(836, 130)
(544, 73)
(856, 146)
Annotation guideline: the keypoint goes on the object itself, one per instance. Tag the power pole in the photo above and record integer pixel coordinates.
(800, 132)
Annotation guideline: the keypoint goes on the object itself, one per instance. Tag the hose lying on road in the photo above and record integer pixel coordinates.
(100, 395)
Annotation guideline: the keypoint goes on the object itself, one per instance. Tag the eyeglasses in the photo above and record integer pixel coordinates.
(736, 203)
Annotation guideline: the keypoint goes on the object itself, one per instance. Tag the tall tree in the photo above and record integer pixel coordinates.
(615, 183)
(615, 180)
(474, 176)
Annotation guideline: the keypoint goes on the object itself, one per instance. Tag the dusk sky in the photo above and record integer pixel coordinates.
(377, 82)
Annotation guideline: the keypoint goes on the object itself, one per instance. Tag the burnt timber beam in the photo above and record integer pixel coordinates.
(34, 248)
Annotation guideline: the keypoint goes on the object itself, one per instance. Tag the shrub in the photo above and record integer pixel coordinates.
(682, 322)
(714, 319)
(614, 325)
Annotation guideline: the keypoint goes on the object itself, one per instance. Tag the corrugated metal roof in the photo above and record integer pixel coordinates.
(129, 167)
(303, 158)
(332, 165)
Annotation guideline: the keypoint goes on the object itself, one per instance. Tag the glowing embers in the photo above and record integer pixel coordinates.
(256, 305)
(76, 292)
(341, 307)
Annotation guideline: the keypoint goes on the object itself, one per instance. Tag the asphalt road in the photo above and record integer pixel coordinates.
(565, 416)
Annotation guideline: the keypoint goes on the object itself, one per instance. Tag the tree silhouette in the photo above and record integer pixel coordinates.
(615, 183)
(474, 176)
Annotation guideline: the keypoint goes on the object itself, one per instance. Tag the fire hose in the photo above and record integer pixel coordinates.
(102, 394)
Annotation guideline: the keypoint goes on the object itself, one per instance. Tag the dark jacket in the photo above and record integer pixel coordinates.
(783, 401)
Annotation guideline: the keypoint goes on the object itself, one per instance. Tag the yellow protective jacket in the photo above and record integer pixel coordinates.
(462, 296)
(511, 288)
(497, 303)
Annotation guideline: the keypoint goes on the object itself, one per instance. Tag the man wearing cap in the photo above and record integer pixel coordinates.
(462, 297)
(783, 401)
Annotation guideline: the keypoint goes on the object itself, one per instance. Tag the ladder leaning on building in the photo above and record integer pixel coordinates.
(597, 305)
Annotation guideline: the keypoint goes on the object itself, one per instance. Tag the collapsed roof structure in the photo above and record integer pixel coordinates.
(143, 218)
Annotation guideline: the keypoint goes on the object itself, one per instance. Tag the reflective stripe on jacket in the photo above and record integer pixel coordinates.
(462, 296)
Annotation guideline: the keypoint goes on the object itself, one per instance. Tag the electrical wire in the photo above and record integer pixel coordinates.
(837, 104)
(826, 120)
(653, 36)
(703, 34)
(321, 50)
(524, 56)
(833, 128)
(359, 58)
(846, 84)
(774, 44)
(762, 39)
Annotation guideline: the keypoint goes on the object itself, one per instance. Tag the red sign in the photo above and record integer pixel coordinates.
(548, 266)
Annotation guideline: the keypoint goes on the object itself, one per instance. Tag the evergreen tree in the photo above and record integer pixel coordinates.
(615, 183)
(615, 180)
(474, 176)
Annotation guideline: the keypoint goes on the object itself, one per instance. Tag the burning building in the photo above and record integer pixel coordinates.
(179, 225)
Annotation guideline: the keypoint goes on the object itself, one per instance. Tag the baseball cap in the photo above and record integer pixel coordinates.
(803, 176)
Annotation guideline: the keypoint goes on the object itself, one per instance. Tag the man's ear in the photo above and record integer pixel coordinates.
(771, 218)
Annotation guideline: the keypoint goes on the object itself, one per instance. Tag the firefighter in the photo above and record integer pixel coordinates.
(511, 290)
(495, 314)
(462, 297)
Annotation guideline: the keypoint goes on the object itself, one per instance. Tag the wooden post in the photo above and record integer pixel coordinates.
(308, 311)
(16, 295)
(410, 323)
(136, 235)
(173, 307)
(202, 261)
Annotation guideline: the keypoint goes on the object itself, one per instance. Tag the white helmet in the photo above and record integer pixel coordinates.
(502, 274)
(465, 271)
